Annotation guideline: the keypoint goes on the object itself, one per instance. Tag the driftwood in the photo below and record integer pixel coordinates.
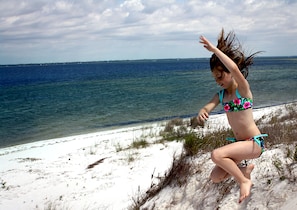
(96, 163)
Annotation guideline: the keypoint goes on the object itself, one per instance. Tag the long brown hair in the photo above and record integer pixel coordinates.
(231, 46)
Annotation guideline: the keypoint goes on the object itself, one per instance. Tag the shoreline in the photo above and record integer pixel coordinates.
(124, 128)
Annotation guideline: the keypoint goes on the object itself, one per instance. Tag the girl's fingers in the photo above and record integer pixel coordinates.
(203, 116)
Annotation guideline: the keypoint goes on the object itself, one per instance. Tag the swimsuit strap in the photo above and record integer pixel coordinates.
(231, 139)
(221, 95)
(237, 94)
(261, 135)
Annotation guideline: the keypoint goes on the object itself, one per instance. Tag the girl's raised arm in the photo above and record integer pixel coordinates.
(243, 85)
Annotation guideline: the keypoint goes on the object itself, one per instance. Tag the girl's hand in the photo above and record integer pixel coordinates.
(207, 44)
(202, 117)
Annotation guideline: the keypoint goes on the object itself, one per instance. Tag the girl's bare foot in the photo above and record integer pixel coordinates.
(245, 190)
(248, 170)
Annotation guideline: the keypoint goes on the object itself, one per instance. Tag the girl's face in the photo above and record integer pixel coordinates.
(222, 78)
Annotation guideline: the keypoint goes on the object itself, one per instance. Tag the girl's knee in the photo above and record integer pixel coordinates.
(216, 155)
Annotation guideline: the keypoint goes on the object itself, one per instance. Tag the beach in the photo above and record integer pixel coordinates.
(101, 171)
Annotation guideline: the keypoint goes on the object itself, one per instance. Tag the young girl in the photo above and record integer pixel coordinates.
(229, 68)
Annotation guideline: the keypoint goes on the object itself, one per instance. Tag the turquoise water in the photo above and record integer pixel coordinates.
(55, 100)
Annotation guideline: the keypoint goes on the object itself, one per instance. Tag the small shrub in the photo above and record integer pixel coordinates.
(139, 144)
(118, 147)
(191, 144)
(130, 158)
(177, 121)
(172, 123)
(194, 143)
(174, 130)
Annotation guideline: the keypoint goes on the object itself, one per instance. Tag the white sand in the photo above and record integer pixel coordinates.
(53, 174)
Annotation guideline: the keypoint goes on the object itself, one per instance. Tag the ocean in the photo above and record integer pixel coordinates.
(45, 101)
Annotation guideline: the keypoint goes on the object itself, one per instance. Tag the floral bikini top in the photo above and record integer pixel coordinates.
(237, 104)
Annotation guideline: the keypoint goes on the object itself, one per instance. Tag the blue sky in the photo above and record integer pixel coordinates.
(43, 31)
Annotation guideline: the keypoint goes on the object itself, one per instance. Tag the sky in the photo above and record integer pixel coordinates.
(46, 31)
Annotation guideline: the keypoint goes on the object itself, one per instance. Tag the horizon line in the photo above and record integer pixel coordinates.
(130, 60)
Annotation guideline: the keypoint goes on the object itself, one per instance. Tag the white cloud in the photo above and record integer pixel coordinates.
(69, 30)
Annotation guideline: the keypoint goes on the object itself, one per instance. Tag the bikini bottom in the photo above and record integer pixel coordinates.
(258, 139)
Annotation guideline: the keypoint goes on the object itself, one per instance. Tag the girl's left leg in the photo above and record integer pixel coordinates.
(218, 174)
(225, 157)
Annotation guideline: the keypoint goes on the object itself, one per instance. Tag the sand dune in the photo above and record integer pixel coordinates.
(97, 171)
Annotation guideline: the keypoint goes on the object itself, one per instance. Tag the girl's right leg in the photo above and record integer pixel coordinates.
(226, 157)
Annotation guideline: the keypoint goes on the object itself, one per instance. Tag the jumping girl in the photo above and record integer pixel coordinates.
(229, 68)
